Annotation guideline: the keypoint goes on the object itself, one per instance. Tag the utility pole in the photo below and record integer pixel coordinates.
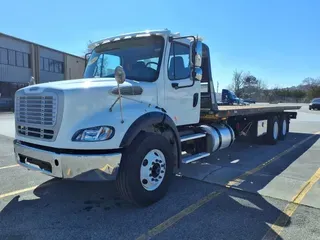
(217, 87)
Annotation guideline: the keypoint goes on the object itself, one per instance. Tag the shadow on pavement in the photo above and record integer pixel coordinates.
(244, 201)
(65, 209)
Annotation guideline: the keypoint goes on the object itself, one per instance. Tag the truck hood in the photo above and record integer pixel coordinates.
(79, 84)
(65, 107)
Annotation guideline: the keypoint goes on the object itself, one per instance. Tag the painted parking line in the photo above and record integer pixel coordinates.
(18, 192)
(292, 206)
(235, 182)
(185, 212)
(28, 189)
(10, 166)
(241, 178)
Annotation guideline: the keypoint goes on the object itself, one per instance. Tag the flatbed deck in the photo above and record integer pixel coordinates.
(234, 110)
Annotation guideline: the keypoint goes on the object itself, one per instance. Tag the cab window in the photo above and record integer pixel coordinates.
(178, 66)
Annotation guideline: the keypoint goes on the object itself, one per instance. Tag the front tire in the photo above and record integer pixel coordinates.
(146, 169)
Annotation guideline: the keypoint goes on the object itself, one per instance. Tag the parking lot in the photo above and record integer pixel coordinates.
(249, 191)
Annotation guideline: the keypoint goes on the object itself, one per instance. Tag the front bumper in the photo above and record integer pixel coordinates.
(71, 166)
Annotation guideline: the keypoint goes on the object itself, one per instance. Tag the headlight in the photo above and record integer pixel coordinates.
(94, 134)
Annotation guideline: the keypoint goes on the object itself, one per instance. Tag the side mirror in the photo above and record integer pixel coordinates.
(197, 53)
(196, 57)
(197, 74)
(119, 75)
(86, 57)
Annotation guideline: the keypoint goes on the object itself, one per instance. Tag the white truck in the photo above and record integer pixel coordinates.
(137, 115)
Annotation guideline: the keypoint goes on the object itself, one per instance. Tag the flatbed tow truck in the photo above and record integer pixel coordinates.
(136, 116)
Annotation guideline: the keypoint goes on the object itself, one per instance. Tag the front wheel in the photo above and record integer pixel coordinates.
(146, 169)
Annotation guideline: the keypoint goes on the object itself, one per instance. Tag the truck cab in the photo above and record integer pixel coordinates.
(163, 65)
(229, 97)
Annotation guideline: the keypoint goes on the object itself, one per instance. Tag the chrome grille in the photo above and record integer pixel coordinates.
(36, 115)
(37, 110)
(35, 132)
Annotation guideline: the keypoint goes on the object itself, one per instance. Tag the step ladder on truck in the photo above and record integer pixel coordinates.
(138, 114)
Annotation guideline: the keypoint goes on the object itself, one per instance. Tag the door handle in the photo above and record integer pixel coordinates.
(195, 99)
(175, 85)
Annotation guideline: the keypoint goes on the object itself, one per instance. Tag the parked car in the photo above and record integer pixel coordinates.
(250, 100)
(6, 104)
(315, 104)
(242, 102)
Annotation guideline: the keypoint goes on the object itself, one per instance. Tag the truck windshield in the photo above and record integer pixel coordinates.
(232, 95)
(140, 58)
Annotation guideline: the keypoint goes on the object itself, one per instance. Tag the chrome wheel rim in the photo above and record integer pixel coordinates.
(275, 130)
(152, 170)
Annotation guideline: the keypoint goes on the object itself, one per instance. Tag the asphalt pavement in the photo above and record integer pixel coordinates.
(250, 191)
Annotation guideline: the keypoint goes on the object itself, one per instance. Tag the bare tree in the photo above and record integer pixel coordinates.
(246, 85)
(88, 50)
(261, 85)
(237, 83)
(312, 85)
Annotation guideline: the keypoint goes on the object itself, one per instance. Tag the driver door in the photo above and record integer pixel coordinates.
(182, 97)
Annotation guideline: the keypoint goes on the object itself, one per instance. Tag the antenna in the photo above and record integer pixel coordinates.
(119, 97)
(120, 77)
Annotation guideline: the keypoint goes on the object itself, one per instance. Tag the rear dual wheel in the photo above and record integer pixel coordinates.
(278, 129)
(272, 131)
(284, 126)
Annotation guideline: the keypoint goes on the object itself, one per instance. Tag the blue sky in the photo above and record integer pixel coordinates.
(276, 40)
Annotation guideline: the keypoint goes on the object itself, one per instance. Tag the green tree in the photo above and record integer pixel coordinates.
(297, 93)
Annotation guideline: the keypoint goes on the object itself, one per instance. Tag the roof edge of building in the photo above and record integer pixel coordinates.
(26, 41)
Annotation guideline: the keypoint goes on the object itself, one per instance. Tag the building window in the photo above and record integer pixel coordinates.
(26, 60)
(19, 59)
(50, 65)
(14, 58)
(56, 67)
(46, 64)
(3, 56)
(41, 63)
(59, 67)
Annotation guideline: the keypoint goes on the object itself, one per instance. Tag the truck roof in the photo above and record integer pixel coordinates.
(164, 32)
(131, 35)
(234, 110)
